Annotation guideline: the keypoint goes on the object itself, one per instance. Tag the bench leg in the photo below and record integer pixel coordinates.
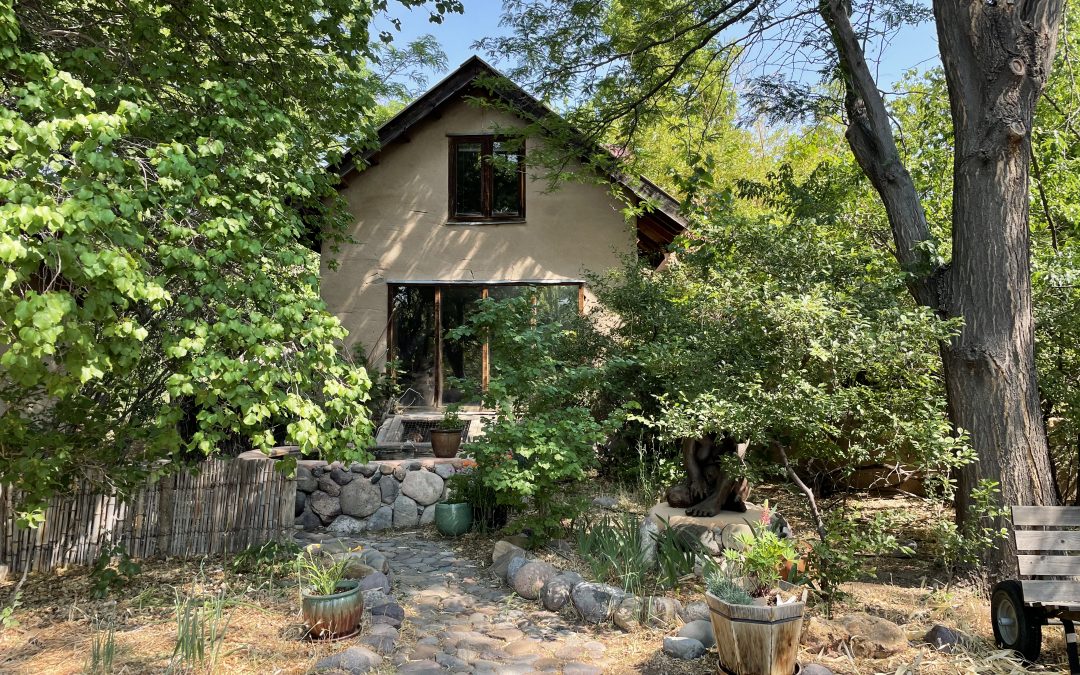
(1070, 646)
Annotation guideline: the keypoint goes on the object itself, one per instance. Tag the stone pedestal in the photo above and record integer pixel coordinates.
(715, 533)
(662, 513)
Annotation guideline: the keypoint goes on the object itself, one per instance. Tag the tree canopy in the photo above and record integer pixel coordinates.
(624, 62)
(162, 166)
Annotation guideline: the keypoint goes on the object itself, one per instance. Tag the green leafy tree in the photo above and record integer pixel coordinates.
(543, 384)
(162, 165)
(996, 58)
(791, 329)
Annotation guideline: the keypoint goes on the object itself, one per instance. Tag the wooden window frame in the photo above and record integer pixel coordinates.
(487, 180)
(485, 354)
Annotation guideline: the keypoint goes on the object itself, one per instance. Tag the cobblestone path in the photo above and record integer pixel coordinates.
(460, 618)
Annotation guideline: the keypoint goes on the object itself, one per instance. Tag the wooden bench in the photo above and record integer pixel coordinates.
(1048, 552)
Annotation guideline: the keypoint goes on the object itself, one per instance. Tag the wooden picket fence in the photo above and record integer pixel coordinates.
(222, 507)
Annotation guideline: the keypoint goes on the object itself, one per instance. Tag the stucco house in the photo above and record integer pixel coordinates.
(447, 211)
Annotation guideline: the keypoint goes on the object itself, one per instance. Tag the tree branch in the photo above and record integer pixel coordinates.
(815, 512)
(871, 138)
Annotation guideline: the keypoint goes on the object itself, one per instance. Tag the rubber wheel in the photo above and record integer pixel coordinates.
(1016, 627)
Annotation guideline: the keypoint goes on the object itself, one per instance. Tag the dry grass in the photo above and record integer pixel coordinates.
(58, 618)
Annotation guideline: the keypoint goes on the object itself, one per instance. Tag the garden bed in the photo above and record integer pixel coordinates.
(59, 619)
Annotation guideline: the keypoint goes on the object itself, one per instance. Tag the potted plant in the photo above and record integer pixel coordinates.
(332, 606)
(446, 437)
(756, 617)
(470, 499)
(454, 517)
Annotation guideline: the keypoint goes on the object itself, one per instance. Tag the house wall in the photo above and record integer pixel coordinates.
(400, 207)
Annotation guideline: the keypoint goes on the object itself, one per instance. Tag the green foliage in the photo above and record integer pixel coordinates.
(852, 540)
(200, 632)
(762, 554)
(108, 577)
(468, 486)
(611, 547)
(451, 420)
(727, 590)
(962, 546)
(544, 435)
(7, 612)
(161, 175)
(676, 555)
(319, 575)
(102, 651)
(273, 558)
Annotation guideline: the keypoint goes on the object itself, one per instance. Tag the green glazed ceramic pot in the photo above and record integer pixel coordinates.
(453, 520)
(329, 616)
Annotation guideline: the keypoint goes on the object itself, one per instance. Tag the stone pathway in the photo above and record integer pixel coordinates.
(460, 618)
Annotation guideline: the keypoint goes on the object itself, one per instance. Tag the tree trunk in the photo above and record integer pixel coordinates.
(997, 55)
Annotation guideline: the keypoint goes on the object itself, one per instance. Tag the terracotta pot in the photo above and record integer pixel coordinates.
(757, 640)
(789, 569)
(329, 616)
(445, 442)
(453, 520)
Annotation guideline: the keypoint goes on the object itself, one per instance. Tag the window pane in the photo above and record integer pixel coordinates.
(556, 304)
(468, 176)
(414, 344)
(506, 188)
(505, 292)
(462, 359)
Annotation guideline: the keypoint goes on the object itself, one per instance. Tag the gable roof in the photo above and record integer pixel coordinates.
(656, 228)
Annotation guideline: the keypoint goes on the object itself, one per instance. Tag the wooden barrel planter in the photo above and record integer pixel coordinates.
(756, 639)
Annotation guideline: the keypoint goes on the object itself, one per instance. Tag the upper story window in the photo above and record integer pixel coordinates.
(487, 178)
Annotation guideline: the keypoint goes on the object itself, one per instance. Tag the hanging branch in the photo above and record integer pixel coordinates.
(819, 522)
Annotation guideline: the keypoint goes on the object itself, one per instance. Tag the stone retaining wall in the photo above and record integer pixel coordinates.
(380, 495)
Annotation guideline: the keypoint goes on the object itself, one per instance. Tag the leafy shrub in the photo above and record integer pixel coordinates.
(963, 546)
(467, 486)
(105, 576)
(273, 558)
(7, 613)
(851, 542)
(544, 434)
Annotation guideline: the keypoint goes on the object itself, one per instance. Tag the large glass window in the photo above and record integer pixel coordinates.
(428, 366)
(412, 323)
(461, 359)
(487, 179)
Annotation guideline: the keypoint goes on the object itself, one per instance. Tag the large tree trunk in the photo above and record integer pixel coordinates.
(997, 55)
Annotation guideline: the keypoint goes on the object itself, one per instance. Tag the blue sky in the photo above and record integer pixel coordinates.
(914, 47)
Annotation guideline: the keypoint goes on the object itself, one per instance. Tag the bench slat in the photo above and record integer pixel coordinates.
(1048, 540)
(1068, 516)
(1049, 565)
(1051, 592)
